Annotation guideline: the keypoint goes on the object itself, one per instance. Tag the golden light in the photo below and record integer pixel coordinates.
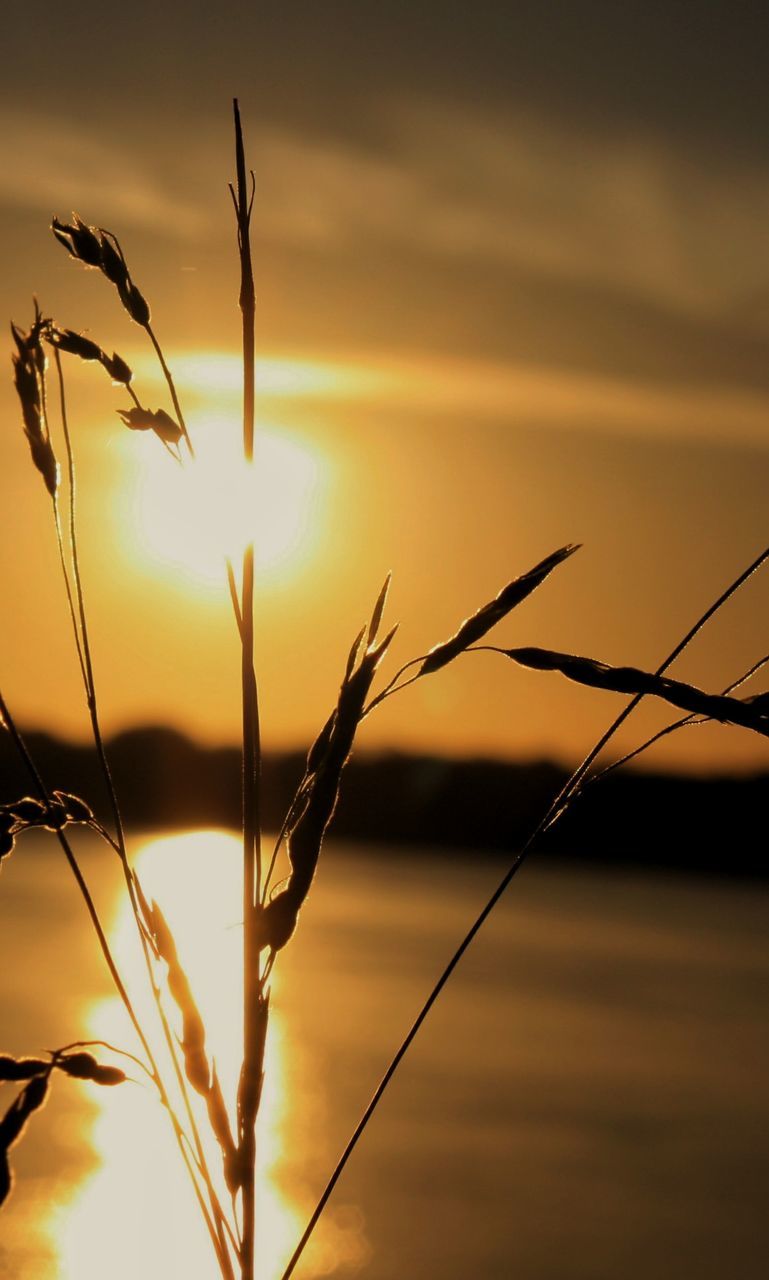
(190, 518)
(135, 1213)
(203, 373)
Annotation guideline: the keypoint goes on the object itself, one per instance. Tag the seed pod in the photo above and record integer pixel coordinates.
(44, 459)
(83, 1066)
(220, 1126)
(328, 755)
(29, 379)
(137, 419)
(26, 381)
(320, 746)
(193, 1042)
(146, 420)
(631, 680)
(21, 1068)
(77, 809)
(379, 608)
(80, 1066)
(28, 811)
(352, 656)
(117, 368)
(759, 702)
(476, 626)
(165, 427)
(56, 817)
(112, 263)
(30, 1099)
(278, 919)
(136, 305)
(6, 1181)
(79, 240)
(74, 343)
(108, 1075)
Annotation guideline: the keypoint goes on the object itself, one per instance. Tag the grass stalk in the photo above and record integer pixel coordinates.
(80, 628)
(74, 866)
(254, 1001)
(171, 386)
(556, 810)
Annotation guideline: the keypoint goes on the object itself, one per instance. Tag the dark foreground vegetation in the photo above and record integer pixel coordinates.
(714, 824)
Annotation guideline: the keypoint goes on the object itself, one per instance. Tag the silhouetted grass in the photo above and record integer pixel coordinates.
(182, 1064)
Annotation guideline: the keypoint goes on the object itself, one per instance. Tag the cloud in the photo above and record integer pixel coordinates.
(478, 391)
(49, 162)
(516, 191)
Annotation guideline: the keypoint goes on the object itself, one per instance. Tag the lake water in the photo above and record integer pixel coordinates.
(589, 1099)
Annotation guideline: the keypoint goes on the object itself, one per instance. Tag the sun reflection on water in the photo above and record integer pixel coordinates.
(135, 1213)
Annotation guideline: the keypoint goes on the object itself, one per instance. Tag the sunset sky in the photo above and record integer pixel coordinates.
(513, 291)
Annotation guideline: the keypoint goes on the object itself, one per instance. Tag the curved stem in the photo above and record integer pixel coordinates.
(84, 648)
(555, 810)
(171, 386)
(390, 687)
(104, 946)
(684, 722)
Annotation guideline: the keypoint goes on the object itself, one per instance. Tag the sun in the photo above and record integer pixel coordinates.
(189, 519)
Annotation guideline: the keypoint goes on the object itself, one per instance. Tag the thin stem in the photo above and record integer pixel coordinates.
(556, 809)
(390, 687)
(684, 722)
(573, 782)
(83, 643)
(234, 597)
(287, 822)
(104, 946)
(68, 585)
(43, 795)
(254, 1004)
(171, 387)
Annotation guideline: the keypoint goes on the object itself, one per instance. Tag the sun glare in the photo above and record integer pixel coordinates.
(190, 518)
(135, 1213)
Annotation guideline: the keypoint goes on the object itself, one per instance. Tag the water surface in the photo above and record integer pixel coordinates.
(590, 1097)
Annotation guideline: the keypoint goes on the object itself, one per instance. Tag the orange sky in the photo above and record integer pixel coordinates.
(486, 328)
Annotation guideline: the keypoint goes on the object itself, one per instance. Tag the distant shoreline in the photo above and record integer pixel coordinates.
(715, 824)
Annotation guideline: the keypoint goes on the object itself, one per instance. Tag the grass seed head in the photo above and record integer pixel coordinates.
(136, 305)
(28, 1101)
(117, 368)
(29, 363)
(379, 609)
(6, 1180)
(77, 810)
(112, 262)
(21, 1068)
(95, 247)
(29, 812)
(479, 623)
(56, 817)
(138, 419)
(79, 240)
(74, 344)
(83, 1066)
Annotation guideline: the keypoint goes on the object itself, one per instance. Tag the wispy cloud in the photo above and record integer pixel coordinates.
(516, 190)
(52, 163)
(476, 391)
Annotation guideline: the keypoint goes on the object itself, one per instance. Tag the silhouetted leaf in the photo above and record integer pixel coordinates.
(631, 680)
(476, 626)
